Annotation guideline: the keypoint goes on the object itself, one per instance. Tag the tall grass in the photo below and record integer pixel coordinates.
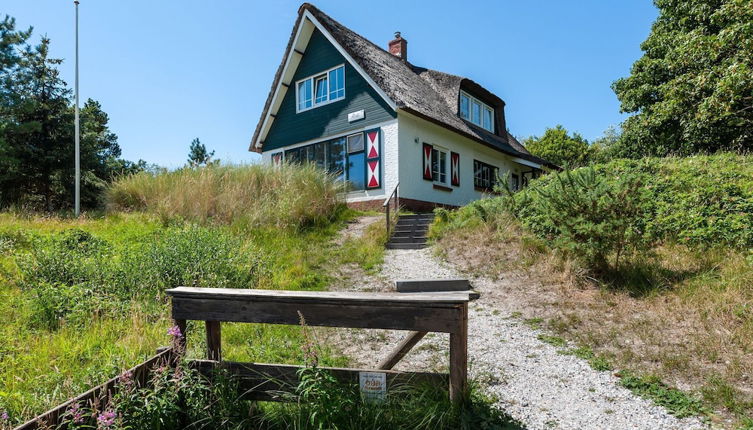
(248, 195)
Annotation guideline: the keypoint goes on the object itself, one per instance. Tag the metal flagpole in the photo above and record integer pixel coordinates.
(78, 155)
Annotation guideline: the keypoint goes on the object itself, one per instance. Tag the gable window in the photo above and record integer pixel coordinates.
(304, 95)
(439, 165)
(320, 89)
(484, 176)
(473, 110)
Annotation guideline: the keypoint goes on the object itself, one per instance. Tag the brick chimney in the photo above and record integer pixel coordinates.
(399, 47)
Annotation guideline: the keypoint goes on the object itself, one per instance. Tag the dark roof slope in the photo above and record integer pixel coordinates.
(429, 94)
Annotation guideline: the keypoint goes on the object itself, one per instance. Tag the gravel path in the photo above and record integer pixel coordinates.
(533, 383)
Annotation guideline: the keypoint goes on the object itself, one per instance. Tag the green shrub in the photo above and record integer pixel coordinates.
(593, 219)
(603, 213)
(73, 273)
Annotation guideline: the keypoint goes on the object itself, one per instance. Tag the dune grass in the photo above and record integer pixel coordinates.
(245, 195)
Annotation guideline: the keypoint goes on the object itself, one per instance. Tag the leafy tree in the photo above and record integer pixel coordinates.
(198, 155)
(37, 131)
(607, 147)
(559, 147)
(39, 134)
(692, 91)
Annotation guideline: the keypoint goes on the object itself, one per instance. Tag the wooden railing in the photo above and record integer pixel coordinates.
(386, 206)
(418, 312)
(100, 394)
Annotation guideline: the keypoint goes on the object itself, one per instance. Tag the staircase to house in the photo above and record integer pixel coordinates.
(410, 231)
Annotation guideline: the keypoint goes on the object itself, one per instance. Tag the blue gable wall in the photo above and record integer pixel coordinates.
(290, 128)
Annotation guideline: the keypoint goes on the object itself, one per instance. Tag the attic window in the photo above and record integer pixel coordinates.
(320, 89)
(476, 111)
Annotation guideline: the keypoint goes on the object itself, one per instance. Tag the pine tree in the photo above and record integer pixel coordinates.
(198, 155)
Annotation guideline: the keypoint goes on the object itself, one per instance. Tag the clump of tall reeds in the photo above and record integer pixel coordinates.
(249, 195)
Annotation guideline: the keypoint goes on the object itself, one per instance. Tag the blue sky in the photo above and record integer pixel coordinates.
(168, 71)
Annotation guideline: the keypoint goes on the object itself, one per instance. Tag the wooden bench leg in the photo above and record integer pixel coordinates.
(459, 359)
(403, 348)
(214, 341)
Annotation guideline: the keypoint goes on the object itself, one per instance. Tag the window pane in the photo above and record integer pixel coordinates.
(304, 94)
(439, 165)
(337, 83)
(319, 158)
(475, 112)
(321, 90)
(488, 119)
(292, 156)
(464, 106)
(357, 171)
(355, 143)
(336, 158)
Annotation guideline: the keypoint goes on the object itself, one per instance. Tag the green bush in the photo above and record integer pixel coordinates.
(74, 275)
(587, 216)
(601, 213)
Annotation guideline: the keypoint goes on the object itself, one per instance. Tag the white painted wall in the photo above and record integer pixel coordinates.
(413, 132)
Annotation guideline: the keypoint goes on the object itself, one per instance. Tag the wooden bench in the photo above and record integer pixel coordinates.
(417, 312)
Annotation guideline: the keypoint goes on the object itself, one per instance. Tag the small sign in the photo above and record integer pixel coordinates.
(355, 116)
(373, 386)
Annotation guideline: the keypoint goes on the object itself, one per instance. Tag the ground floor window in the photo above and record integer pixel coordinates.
(343, 157)
(514, 182)
(484, 175)
(439, 165)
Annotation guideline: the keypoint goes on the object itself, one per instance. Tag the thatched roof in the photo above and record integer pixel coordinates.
(429, 94)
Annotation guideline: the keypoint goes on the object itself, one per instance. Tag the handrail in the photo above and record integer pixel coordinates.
(386, 205)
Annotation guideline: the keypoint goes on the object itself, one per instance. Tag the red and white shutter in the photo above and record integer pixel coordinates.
(455, 169)
(372, 174)
(372, 144)
(373, 159)
(277, 159)
(427, 162)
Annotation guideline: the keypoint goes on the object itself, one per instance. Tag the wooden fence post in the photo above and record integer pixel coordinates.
(459, 359)
(214, 340)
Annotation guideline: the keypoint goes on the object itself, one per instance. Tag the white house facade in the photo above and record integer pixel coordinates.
(373, 119)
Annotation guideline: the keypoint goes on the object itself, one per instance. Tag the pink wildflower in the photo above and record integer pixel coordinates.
(77, 415)
(106, 419)
(174, 331)
(126, 378)
(4, 416)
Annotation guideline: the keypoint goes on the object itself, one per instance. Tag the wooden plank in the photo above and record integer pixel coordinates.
(322, 297)
(51, 418)
(431, 285)
(403, 348)
(354, 315)
(459, 360)
(269, 381)
(214, 340)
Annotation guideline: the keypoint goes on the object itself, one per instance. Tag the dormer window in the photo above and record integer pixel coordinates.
(476, 111)
(320, 89)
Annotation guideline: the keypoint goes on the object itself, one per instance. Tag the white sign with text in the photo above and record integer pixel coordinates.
(373, 386)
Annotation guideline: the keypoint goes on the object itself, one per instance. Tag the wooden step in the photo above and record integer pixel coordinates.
(406, 245)
(407, 239)
(424, 285)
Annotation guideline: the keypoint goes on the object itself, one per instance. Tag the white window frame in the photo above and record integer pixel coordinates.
(446, 165)
(482, 108)
(314, 79)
